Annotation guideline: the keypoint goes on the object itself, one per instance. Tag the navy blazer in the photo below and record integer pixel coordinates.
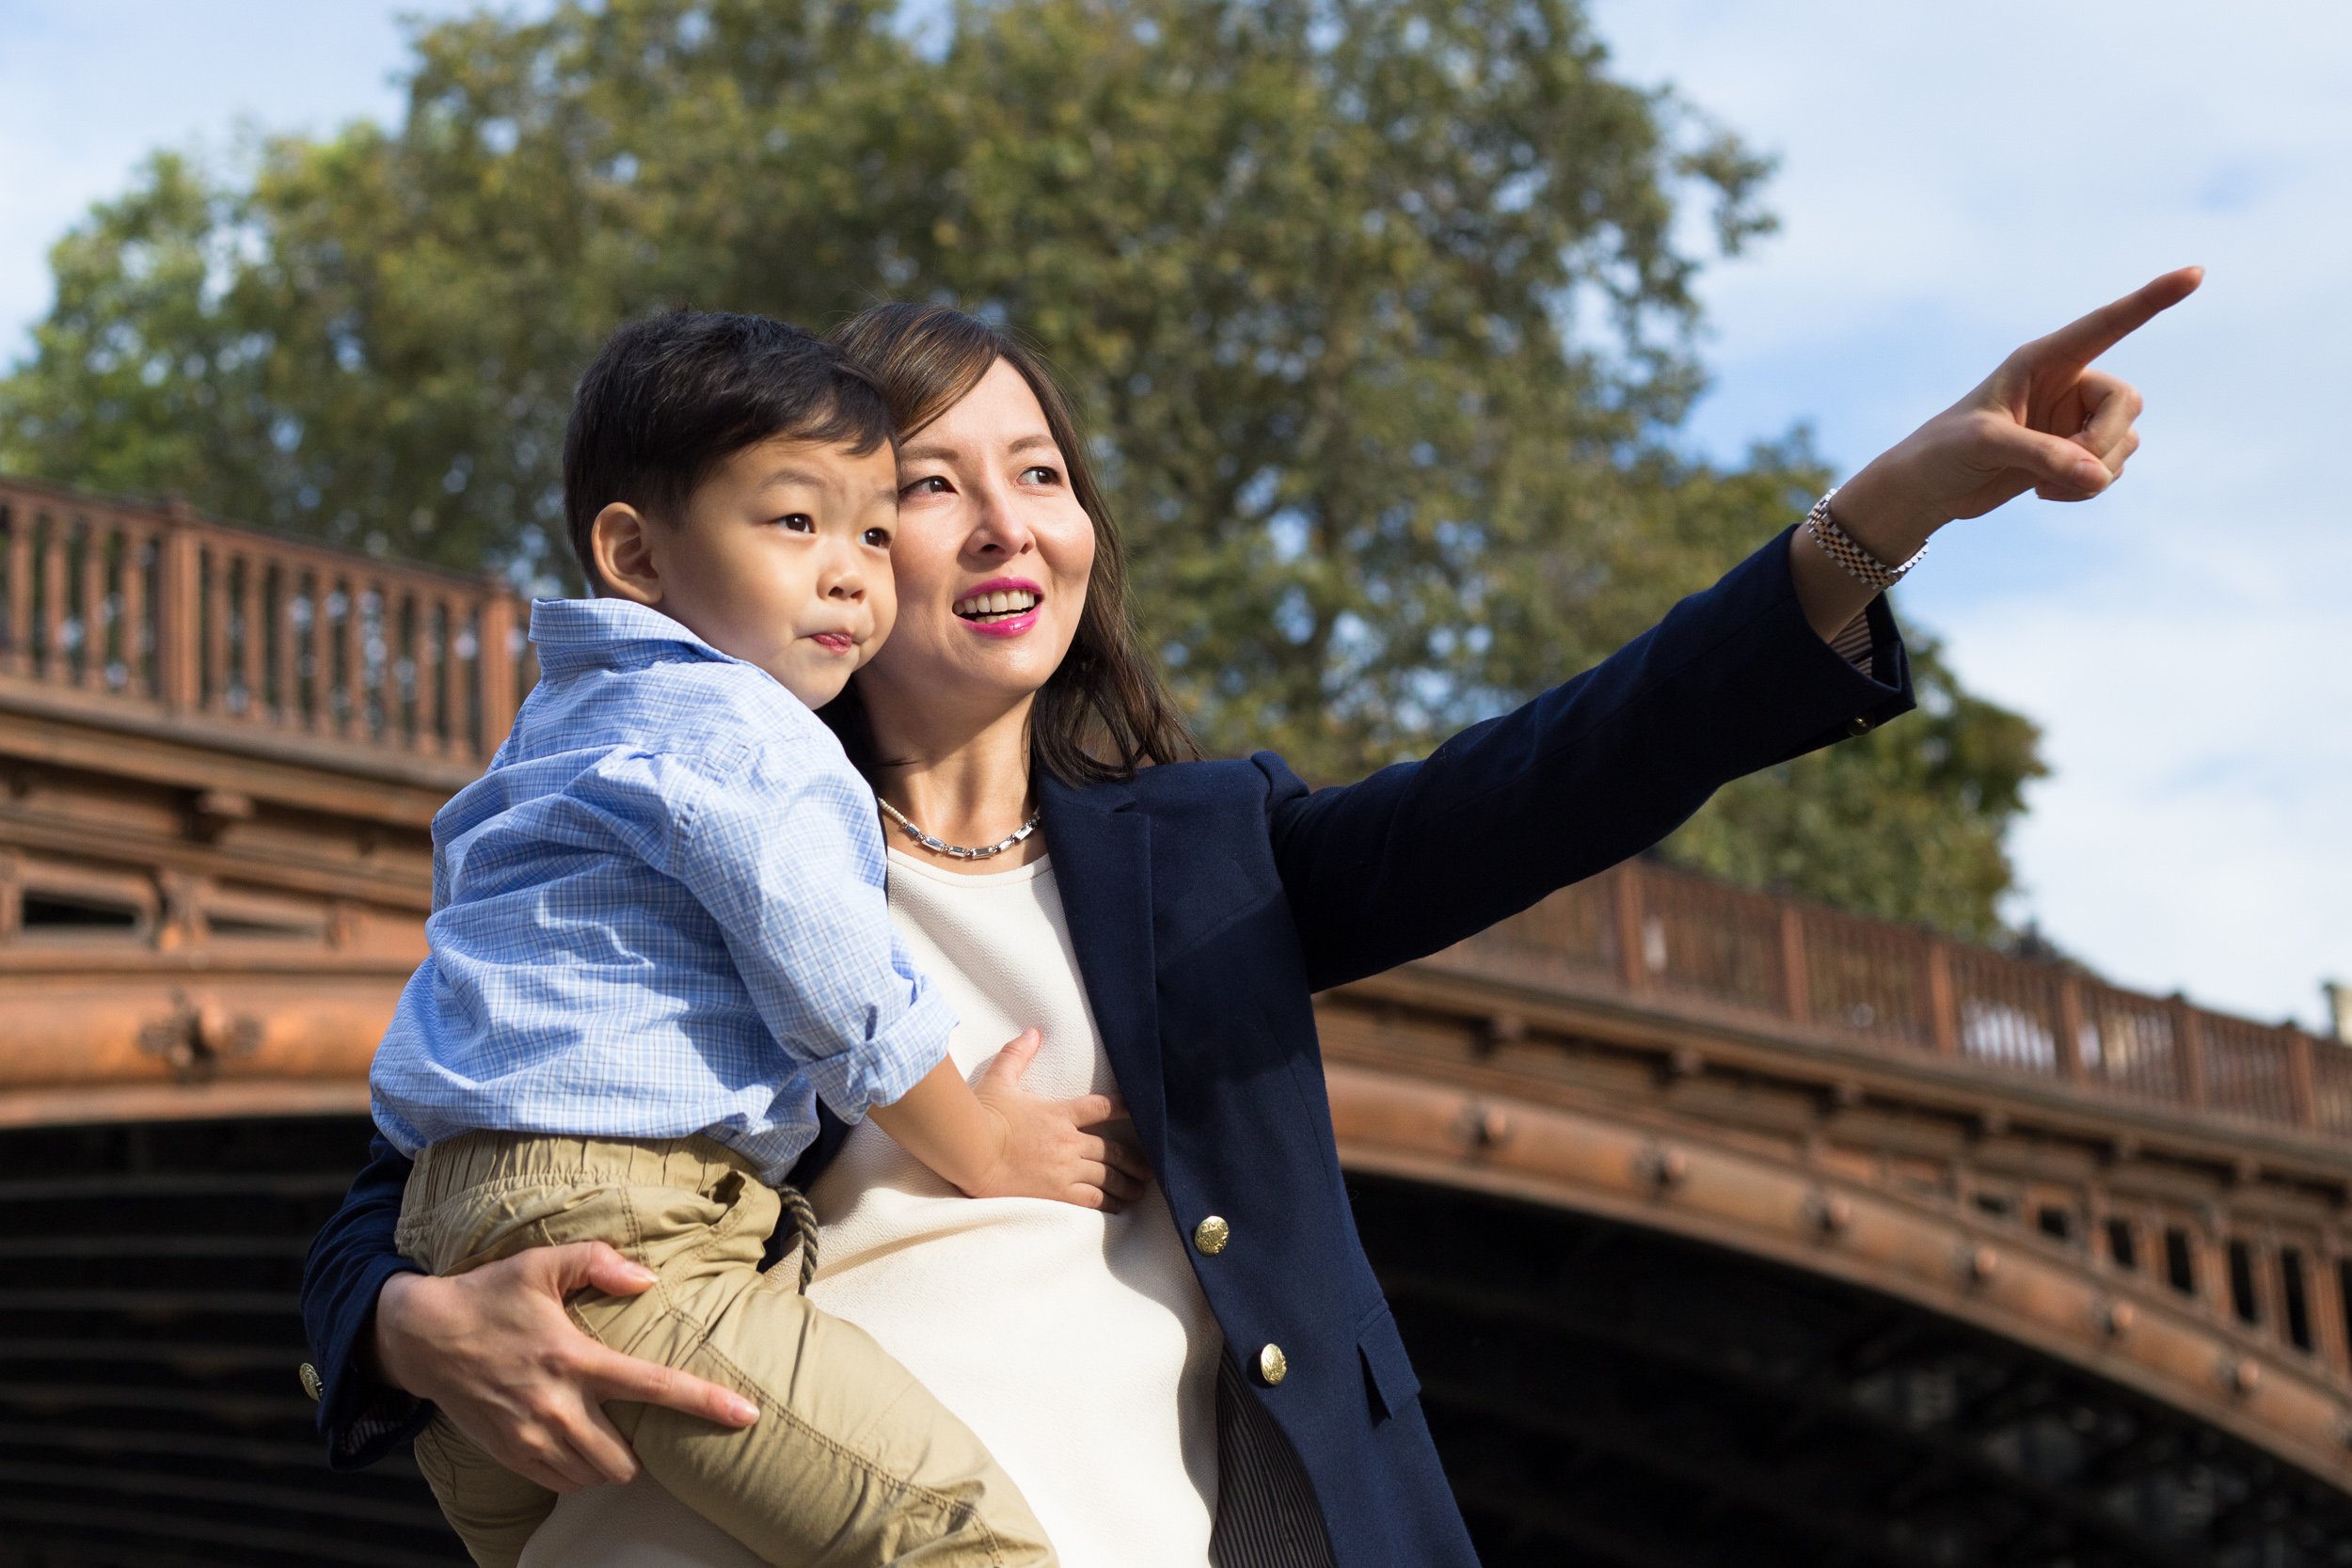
(1209, 901)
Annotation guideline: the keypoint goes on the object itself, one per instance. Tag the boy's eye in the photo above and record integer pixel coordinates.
(878, 537)
(797, 522)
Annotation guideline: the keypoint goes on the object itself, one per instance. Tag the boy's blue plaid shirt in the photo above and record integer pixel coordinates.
(660, 913)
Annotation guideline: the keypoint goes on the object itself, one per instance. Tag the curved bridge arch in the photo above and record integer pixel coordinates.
(1697, 1204)
(1676, 1299)
(1612, 1396)
(2119, 1327)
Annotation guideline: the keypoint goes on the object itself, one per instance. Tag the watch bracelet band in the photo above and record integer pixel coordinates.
(1851, 558)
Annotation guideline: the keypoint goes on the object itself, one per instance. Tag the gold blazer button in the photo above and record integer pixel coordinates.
(1273, 1365)
(1211, 1235)
(311, 1384)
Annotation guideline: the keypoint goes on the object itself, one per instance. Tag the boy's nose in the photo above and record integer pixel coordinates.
(843, 578)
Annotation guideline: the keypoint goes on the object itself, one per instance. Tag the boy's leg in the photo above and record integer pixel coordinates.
(493, 1510)
(853, 1461)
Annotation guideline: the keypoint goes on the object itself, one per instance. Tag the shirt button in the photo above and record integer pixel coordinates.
(1211, 1235)
(1857, 726)
(1273, 1365)
(311, 1384)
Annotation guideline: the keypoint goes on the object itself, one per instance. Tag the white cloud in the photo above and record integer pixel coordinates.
(1957, 179)
(2196, 710)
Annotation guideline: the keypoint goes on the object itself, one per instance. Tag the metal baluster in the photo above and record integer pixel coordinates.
(307, 640)
(215, 615)
(132, 612)
(249, 633)
(286, 582)
(16, 648)
(96, 535)
(179, 671)
(52, 599)
(494, 668)
(353, 686)
(2303, 1102)
(436, 625)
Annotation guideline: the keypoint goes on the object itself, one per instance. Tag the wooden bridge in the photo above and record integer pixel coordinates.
(1716, 1220)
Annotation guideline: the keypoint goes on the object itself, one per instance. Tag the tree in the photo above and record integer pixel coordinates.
(1377, 307)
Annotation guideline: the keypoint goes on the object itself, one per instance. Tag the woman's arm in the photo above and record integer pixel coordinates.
(494, 1349)
(1734, 679)
(1422, 854)
(349, 1261)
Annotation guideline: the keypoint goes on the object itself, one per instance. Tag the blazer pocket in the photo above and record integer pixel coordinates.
(1387, 1368)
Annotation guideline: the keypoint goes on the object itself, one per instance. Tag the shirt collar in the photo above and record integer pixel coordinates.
(571, 633)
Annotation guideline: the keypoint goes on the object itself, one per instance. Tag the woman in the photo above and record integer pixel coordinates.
(1214, 1376)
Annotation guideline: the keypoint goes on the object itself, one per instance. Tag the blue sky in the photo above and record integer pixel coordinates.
(1953, 180)
(1957, 179)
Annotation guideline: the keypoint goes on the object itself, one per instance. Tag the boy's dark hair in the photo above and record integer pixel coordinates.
(671, 398)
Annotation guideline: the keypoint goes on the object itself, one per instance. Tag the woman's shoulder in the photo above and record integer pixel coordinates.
(1214, 801)
(1216, 781)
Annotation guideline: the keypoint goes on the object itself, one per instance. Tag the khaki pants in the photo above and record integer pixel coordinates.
(851, 1462)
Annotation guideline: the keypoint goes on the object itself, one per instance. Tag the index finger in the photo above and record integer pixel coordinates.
(617, 1376)
(2081, 342)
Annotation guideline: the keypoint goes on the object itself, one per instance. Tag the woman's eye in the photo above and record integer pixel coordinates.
(797, 522)
(929, 484)
(1040, 474)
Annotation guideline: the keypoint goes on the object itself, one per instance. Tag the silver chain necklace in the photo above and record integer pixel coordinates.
(961, 852)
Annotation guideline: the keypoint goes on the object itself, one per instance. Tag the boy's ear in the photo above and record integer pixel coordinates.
(621, 543)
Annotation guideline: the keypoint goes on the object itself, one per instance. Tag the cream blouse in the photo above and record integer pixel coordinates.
(1076, 1344)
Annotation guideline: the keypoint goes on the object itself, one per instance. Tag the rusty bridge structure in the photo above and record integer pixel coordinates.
(1721, 1225)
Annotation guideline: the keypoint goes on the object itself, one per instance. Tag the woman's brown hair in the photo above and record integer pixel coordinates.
(1105, 712)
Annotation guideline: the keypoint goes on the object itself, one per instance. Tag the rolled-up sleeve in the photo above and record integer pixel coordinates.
(785, 854)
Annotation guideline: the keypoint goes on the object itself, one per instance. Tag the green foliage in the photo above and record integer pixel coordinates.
(1377, 307)
(1906, 822)
(143, 380)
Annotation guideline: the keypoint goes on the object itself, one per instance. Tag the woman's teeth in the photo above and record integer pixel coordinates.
(985, 607)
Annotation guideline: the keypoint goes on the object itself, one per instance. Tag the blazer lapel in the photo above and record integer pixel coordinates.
(1102, 850)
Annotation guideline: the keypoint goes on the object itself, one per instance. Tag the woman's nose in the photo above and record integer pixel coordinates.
(998, 525)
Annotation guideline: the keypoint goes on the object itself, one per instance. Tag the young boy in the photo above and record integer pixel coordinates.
(659, 939)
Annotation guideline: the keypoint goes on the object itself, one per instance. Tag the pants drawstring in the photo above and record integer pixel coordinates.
(803, 1222)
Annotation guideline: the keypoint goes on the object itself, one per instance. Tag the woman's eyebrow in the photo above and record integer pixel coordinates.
(934, 452)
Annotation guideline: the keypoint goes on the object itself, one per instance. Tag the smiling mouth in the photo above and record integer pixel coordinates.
(1004, 605)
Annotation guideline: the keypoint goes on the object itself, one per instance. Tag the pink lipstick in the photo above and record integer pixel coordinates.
(1001, 606)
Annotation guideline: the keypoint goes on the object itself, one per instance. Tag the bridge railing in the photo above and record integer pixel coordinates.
(1647, 932)
(137, 608)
